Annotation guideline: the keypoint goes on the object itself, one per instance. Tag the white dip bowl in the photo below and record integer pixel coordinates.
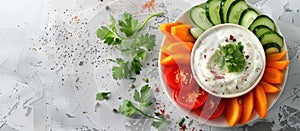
(217, 80)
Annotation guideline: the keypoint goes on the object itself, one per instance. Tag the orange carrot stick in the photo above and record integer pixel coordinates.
(248, 105)
(273, 76)
(182, 33)
(269, 88)
(276, 56)
(261, 105)
(233, 111)
(177, 59)
(281, 65)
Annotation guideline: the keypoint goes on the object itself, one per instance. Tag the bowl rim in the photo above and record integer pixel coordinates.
(253, 39)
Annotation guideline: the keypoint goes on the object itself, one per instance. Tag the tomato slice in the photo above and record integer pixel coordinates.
(215, 105)
(180, 78)
(191, 98)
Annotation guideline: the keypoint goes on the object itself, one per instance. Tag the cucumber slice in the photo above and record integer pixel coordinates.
(225, 4)
(235, 11)
(271, 37)
(247, 17)
(260, 30)
(196, 32)
(213, 11)
(198, 16)
(271, 48)
(263, 20)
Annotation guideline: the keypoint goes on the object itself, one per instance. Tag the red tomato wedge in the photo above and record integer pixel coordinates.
(191, 98)
(180, 78)
(213, 110)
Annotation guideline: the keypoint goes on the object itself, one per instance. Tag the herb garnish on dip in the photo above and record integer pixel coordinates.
(227, 61)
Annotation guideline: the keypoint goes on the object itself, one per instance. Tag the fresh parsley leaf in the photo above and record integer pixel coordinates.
(142, 55)
(102, 96)
(143, 97)
(136, 96)
(133, 47)
(232, 56)
(146, 96)
(220, 59)
(136, 66)
(121, 71)
(148, 41)
(159, 115)
(127, 108)
(159, 124)
(108, 36)
(128, 25)
(113, 24)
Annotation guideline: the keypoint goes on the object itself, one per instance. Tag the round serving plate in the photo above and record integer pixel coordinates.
(220, 121)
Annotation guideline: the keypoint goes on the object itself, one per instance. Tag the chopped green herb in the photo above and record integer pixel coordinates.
(232, 56)
(80, 63)
(102, 96)
(181, 122)
(134, 46)
(146, 80)
(133, 79)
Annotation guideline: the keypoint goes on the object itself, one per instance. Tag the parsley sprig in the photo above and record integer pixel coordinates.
(232, 56)
(102, 96)
(129, 40)
(143, 97)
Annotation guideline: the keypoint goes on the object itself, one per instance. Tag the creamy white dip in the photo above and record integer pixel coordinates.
(219, 81)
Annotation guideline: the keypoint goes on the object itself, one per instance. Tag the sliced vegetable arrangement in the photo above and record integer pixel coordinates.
(176, 55)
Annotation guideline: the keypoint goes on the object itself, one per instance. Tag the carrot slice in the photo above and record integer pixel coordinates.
(269, 88)
(233, 111)
(276, 56)
(281, 65)
(178, 47)
(182, 32)
(177, 59)
(166, 27)
(248, 105)
(261, 105)
(273, 76)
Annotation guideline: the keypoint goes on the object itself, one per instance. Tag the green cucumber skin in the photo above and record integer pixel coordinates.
(257, 30)
(205, 24)
(196, 32)
(254, 23)
(264, 39)
(224, 9)
(207, 7)
(244, 15)
(230, 11)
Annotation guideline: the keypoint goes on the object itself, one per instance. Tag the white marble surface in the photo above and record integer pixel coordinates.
(45, 88)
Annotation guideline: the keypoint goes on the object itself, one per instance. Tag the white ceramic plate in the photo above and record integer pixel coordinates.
(220, 121)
